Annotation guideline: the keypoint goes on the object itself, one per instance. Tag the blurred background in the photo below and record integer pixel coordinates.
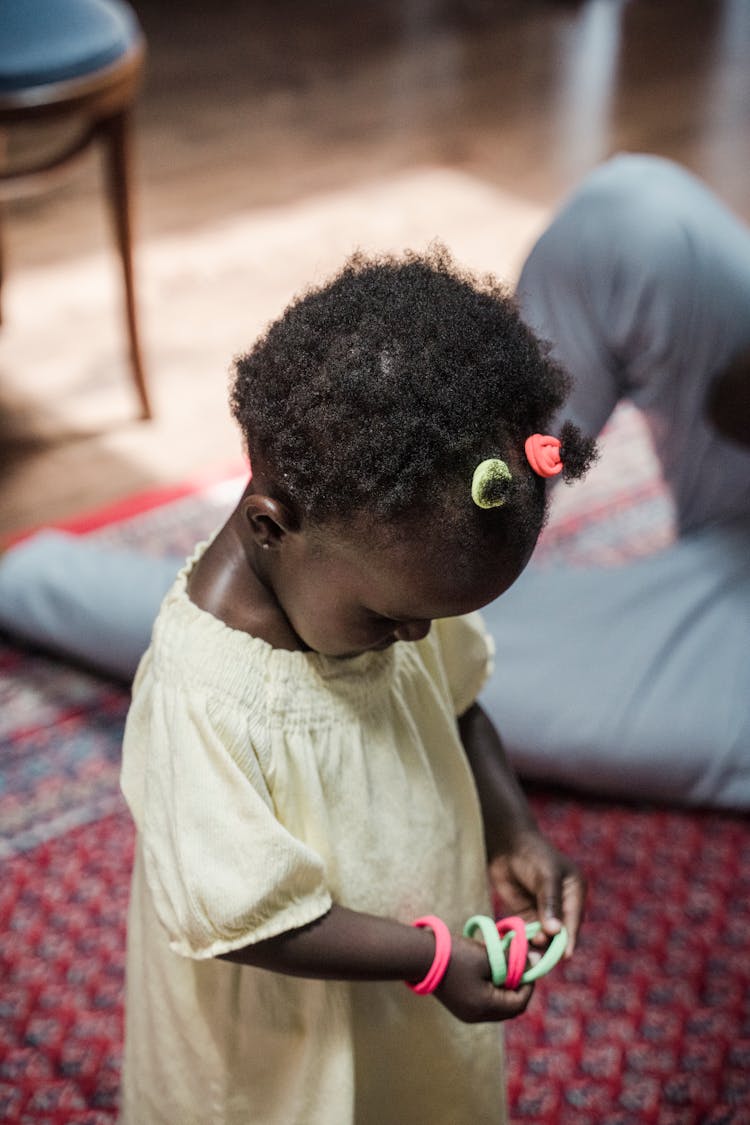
(270, 141)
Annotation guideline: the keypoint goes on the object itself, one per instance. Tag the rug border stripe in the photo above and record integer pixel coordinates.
(135, 504)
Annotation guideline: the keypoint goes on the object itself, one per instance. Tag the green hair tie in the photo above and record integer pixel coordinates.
(497, 946)
(489, 485)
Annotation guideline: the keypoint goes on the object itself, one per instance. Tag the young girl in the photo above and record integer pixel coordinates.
(304, 760)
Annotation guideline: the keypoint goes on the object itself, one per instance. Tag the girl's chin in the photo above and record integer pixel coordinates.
(383, 645)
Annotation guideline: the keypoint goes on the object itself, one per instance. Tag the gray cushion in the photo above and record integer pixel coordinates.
(82, 599)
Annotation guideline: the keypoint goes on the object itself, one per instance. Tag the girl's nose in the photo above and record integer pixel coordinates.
(412, 630)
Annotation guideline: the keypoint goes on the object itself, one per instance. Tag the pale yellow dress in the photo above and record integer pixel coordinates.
(266, 785)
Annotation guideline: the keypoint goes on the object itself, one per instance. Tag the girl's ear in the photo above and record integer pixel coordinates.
(269, 520)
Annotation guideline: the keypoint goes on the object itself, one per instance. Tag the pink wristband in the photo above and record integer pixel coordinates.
(443, 946)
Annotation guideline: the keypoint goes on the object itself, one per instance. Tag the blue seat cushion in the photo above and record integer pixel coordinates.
(45, 41)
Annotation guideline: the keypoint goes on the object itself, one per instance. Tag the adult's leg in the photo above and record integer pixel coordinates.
(87, 602)
(642, 286)
(633, 680)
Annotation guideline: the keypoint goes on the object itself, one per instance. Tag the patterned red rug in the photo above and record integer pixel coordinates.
(650, 1022)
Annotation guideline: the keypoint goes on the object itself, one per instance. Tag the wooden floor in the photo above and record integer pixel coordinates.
(263, 110)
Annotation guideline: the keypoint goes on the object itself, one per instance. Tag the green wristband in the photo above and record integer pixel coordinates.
(551, 955)
(493, 943)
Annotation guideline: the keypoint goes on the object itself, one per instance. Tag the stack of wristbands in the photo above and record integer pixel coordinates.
(507, 944)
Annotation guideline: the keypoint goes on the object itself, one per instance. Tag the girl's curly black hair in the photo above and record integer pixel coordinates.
(381, 392)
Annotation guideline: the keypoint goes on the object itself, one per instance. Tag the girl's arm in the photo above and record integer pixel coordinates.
(348, 945)
(526, 870)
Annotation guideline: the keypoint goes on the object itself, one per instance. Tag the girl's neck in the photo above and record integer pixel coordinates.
(230, 582)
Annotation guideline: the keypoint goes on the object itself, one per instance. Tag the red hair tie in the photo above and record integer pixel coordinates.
(543, 454)
(518, 951)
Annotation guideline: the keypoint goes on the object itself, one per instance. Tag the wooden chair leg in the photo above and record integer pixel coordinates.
(116, 135)
(3, 147)
(1, 263)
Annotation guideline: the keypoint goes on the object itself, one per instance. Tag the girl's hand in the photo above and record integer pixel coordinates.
(467, 990)
(529, 874)
(536, 881)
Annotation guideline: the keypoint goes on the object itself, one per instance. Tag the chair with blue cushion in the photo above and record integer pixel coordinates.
(81, 61)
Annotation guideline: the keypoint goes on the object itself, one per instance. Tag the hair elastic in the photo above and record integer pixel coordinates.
(493, 945)
(543, 454)
(489, 485)
(505, 972)
(443, 947)
(551, 955)
(518, 951)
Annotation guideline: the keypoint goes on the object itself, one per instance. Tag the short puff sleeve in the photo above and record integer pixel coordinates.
(223, 872)
(467, 651)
